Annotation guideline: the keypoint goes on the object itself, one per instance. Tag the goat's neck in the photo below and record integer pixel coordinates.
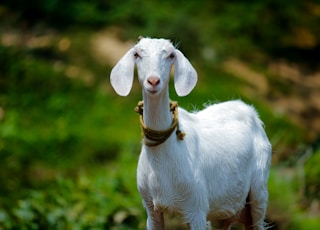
(156, 111)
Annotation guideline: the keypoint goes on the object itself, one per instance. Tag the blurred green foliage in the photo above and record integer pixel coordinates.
(69, 146)
(287, 29)
(312, 176)
(97, 200)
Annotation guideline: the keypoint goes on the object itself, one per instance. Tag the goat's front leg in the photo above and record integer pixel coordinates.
(198, 221)
(155, 219)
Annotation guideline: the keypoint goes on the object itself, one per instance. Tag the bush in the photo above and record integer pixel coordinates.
(312, 174)
(103, 200)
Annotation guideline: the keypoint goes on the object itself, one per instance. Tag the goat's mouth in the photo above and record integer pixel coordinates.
(152, 91)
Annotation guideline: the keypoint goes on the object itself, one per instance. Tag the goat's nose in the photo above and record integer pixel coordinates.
(154, 81)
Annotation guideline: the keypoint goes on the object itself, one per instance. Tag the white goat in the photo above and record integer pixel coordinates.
(221, 166)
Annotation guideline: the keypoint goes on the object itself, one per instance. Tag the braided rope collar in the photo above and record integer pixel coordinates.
(159, 136)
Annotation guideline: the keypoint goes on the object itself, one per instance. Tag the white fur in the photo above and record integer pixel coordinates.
(223, 160)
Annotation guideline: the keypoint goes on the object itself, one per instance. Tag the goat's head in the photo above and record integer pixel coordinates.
(154, 59)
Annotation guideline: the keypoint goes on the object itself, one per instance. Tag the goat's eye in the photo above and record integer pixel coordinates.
(136, 55)
(171, 56)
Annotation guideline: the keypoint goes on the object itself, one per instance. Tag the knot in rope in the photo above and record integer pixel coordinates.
(159, 136)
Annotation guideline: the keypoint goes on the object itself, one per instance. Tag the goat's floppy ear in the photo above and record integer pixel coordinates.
(121, 76)
(185, 76)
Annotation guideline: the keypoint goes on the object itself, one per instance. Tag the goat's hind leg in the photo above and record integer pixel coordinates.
(243, 217)
(258, 200)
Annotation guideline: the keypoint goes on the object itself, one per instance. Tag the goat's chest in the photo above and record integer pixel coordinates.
(162, 184)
